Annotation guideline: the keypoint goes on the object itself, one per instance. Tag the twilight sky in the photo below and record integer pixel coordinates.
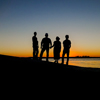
(80, 19)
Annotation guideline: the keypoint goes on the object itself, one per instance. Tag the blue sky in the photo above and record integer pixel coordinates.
(80, 19)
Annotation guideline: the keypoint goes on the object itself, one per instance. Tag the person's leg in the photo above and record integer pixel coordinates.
(67, 57)
(41, 53)
(33, 52)
(47, 50)
(63, 57)
(37, 51)
(57, 61)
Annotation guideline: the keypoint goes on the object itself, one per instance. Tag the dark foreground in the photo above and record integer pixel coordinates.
(24, 75)
(28, 65)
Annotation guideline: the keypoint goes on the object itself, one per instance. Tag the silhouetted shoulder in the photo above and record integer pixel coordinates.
(57, 43)
(49, 39)
(67, 42)
(43, 39)
(34, 38)
(46, 40)
(35, 41)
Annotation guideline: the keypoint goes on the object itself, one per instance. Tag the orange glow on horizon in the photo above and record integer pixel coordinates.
(73, 53)
(51, 55)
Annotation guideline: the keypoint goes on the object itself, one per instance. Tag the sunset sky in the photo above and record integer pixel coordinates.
(80, 19)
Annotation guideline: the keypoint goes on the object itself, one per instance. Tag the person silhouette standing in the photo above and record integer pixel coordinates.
(45, 43)
(57, 49)
(67, 46)
(35, 46)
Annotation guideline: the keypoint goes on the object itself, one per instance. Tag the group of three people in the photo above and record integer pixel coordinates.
(46, 44)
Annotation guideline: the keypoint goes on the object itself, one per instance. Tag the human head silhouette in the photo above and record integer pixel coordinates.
(57, 38)
(66, 36)
(35, 33)
(46, 35)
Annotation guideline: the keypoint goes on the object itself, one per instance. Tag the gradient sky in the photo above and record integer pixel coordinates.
(80, 19)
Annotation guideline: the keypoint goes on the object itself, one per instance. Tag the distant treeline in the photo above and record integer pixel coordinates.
(82, 56)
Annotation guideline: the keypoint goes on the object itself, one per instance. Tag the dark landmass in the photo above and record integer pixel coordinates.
(28, 65)
(23, 75)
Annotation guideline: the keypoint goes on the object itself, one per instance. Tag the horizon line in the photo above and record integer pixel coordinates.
(52, 57)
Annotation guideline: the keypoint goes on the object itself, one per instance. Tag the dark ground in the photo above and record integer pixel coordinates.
(40, 79)
(17, 64)
(27, 68)
(36, 66)
(22, 68)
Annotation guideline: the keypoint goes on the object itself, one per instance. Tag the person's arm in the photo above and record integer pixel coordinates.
(50, 43)
(70, 45)
(51, 46)
(37, 44)
(60, 46)
(63, 43)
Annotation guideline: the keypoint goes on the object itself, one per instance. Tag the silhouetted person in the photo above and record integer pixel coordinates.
(35, 46)
(45, 43)
(66, 45)
(57, 49)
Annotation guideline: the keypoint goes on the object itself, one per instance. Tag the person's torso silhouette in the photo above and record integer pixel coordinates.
(57, 45)
(35, 45)
(45, 43)
(66, 45)
(35, 42)
(57, 49)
